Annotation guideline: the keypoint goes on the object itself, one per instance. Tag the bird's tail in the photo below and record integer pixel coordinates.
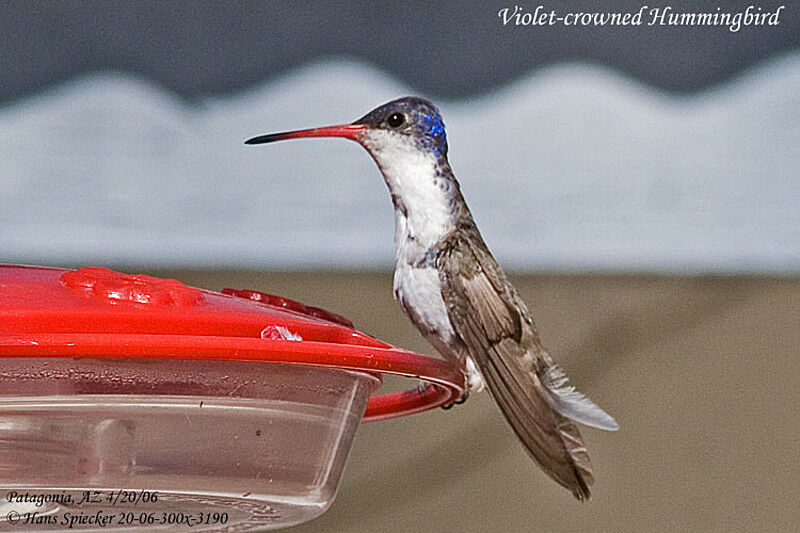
(540, 405)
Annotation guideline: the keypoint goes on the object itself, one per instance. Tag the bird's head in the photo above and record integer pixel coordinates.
(406, 138)
(407, 124)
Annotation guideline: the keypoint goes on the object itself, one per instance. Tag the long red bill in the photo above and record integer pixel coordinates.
(348, 131)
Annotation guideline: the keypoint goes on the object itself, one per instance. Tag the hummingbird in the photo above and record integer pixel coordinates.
(455, 293)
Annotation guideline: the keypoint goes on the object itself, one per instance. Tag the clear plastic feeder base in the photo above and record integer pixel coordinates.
(134, 403)
(172, 444)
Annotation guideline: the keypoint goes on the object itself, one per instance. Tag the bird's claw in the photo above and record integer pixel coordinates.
(463, 398)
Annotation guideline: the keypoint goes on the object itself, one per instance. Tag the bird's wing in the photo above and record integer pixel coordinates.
(497, 330)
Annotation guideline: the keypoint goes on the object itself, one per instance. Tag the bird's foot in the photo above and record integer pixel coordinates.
(459, 401)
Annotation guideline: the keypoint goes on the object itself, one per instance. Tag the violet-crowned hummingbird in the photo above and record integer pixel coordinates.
(456, 294)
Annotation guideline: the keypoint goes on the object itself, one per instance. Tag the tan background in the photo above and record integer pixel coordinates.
(701, 374)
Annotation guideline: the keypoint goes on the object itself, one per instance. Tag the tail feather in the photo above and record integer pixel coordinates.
(572, 404)
(552, 440)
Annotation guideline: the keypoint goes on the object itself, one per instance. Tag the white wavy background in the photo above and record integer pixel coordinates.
(574, 168)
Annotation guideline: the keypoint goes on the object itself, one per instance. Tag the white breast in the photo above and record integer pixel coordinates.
(419, 292)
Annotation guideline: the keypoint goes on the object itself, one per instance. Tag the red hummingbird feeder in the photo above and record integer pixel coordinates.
(179, 408)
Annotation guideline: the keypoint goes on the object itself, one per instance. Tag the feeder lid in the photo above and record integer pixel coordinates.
(97, 312)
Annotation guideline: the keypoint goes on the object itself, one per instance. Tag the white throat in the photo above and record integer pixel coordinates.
(423, 207)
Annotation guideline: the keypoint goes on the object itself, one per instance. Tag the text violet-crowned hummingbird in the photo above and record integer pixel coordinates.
(456, 294)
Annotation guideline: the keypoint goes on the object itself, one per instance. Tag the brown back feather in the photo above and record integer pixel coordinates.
(496, 328)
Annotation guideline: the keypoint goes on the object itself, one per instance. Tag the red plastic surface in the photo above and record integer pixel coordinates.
(291, 305)
(115, 287)
(95, 312)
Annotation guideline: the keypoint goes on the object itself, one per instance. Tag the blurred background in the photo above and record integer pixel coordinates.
(641, 184)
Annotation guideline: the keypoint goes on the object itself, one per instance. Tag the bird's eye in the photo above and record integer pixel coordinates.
(396, 120)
